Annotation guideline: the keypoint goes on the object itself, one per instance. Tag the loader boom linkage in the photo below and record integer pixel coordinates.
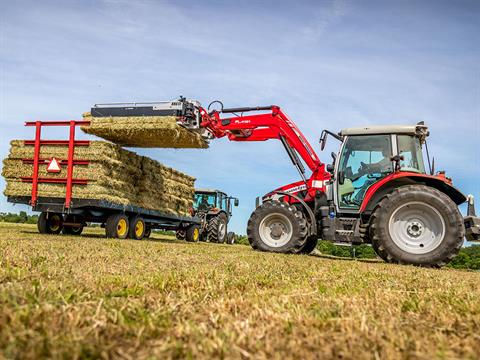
(274, 124)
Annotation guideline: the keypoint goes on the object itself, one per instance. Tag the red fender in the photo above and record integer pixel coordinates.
(440, 182)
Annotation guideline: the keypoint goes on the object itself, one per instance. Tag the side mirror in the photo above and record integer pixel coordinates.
(323, 140)
(341, 177)
(235, 202)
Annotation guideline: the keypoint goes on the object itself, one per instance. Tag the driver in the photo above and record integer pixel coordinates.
(204, 205)
(375, 168)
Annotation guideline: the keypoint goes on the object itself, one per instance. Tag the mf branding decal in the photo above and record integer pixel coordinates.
(296, 189)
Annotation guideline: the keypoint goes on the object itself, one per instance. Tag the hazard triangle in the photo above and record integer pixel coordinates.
(53, 166)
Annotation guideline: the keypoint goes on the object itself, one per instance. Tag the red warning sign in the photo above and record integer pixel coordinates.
(53, 166)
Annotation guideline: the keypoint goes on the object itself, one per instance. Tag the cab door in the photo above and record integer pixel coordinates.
(364, 160)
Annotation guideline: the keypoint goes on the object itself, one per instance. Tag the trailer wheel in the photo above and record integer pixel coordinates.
(192, 233)
(180, 235)
(310, 245)
(277, 227)
(231, 238)
(217, 228)
(417, 225)
(72, 230)
(148, 232)
(50, 223)
(136, 228)
(117, 226)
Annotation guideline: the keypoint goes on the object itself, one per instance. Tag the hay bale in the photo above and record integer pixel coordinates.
(114, 174)
(144, 131)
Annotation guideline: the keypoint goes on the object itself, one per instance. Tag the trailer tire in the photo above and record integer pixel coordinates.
(217, 228)
(180, 235)
(310, 245)
(117, 226)
(72, 230)
(231, 238)
(417, 225)
(50, 223)
(136, 228)
(192, 233)
(285, 221)
(148, 232)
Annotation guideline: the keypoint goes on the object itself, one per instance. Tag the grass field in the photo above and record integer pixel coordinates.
(89, 297)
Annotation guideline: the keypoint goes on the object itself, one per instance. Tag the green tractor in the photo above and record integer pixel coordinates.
(214, 208)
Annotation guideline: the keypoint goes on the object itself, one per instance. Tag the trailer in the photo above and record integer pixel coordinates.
(70, 215)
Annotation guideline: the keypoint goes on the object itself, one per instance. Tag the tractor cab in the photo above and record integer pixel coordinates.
(369, 154)
(212, 202)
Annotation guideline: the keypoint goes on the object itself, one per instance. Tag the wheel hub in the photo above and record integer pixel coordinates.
(417, 227)
(276, 230)
(414, 229)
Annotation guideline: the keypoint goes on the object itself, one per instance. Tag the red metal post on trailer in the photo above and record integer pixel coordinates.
(71, 151)
(36, 156)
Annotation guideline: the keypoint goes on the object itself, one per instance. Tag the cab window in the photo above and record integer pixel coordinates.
(410, 148)
(364, 160)
(204, 201)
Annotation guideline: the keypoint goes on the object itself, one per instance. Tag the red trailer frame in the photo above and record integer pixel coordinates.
(70, 161)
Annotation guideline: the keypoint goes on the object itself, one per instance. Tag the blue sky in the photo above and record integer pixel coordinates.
(328, 64)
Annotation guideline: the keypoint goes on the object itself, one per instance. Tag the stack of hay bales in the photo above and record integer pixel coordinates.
(143, 131)
(114, 174)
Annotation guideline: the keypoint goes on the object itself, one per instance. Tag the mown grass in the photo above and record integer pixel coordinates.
(89, 297)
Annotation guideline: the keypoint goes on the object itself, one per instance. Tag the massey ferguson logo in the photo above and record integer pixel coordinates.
(296, 189)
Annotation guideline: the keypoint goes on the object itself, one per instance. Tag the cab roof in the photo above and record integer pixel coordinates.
(420, 130)
(205, 190)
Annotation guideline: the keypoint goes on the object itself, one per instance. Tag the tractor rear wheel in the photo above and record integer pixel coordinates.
(417, 225)
(217, 228)
(277, 227)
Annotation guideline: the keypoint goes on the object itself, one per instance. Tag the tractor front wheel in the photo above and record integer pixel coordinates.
(417, 225)
(217, 228)
(277, 227)
(231, 238)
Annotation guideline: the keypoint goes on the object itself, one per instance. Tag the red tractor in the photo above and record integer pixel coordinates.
(376, 190)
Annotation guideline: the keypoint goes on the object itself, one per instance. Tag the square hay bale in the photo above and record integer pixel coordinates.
(144, 131)
(114, 174)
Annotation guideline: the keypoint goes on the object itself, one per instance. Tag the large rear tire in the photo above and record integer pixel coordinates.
(217, 228)
(277, 227)
(417, 225)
